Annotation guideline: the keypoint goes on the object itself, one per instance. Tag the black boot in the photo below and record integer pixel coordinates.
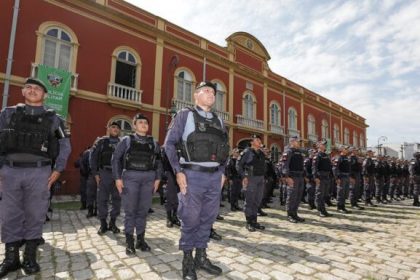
(175, 219)
(169, 222)
(214, 235)
(11, 260)
(257, 225)
(113, 227)
(202, 262)
(250, 225)
(103, 228)
(129, 242)
(141, 244)
(416, 201)
(261, 213)
(237, 207)
(291, 217)
(188, 267)
(342, 209)
(90, 212)
(29, 264)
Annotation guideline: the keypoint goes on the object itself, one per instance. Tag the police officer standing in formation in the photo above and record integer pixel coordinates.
(32, 138)
(355, 173)
(137, 170)
(203, 140)
(342, 171)
(293, 172)
(321, 170)
(91, 189)
(368, 172)
(172, 189)
(309, 179)
(100, 163)
(415, 175)
(234, 181)
(84, 169)
(379, 179)
(251, 168)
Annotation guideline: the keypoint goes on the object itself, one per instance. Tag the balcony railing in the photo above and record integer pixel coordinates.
(276, 129)
(124, 93)
(241, 120)
(293, 132)
(74, 76)
(313, 137)
(179, 104)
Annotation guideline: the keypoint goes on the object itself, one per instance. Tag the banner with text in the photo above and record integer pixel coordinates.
(58, 83)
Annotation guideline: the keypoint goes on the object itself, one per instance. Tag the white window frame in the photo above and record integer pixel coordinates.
(59, 42)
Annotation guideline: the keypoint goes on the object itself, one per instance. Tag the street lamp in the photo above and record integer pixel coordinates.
(172, 64)
(381, 138)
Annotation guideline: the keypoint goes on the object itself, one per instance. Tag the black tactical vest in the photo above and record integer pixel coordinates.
(369, 166)
(208, 142)
(355, 165)
(30, 134)
(324, 162)
(107, 150)
(296, 160)
(140, 156)
(257, 165)
(343, 164)
(416, 168)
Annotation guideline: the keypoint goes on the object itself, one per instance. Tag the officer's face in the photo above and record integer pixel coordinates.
(141, 126)
(34, 94)
(114, 131)
(294, 144)
(256, 143)
(205, 96)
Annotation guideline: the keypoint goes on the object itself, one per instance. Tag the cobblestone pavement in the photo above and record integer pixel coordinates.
(377, 243)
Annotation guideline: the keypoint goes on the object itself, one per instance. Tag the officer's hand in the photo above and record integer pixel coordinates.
(223, 181)
(120, 185)
(317, 181)
(245, 182)
(181, 179)
(156, 186)
(53, 177)
(97, 179)
(290, 182)
(338, 181)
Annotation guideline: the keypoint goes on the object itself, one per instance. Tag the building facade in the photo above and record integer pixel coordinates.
(125, 60)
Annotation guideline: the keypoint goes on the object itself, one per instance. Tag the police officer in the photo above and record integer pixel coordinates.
(251, 168)
(309, 179)
(234, 180)
(31, 138)
(202, 138)
(293, 172)
(321, 170)
(91, 189)
(137, 170)
(355, 174)
(83, 164)
(368, 173)
(379, 179)
(172, 189)
(342, 169)
(100, 163)
(415, 175)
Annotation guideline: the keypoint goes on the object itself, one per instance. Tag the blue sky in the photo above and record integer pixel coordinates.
(364, 55)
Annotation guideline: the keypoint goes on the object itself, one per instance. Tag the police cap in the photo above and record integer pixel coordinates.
(207, 84)
(140, 116)
(293, 138)
(255, 136)
(35, 81)
(115, 124)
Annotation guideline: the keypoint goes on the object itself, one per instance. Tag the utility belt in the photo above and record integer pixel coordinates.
(106, 167)
(39, 163)
(200, 168)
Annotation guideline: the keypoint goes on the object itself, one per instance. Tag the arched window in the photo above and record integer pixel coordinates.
(325, 129)
(292, 121)
(346, 136)
(362, 140)
(336, 133)
(57, 50)
(125, 123)
(220, 97)
(249, 106)
(355, 139)
(184, 86)
(311, 125)
(275, 114)
(126, 69)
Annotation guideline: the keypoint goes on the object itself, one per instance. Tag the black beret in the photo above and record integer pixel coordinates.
(35, 81)
(255, 136)
(207, 84)
(116, 124)
(140, 116)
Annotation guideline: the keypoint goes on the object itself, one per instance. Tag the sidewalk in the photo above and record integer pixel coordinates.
(377, 243)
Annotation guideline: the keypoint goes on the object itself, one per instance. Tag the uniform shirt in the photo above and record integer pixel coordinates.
(368, 167)
(118, 156)
(293, 161)
(308, 168)
(57, 126)
(231, 171)
(179, 130)
(415, 167)
(246, 159)
(96, 151)
(342, 166)
(321, 163)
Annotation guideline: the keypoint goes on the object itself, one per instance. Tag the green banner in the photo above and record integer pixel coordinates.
(58, 83)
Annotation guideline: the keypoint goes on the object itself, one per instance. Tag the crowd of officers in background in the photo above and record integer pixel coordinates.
(300, 175)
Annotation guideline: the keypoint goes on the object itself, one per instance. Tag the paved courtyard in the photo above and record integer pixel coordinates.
(377, 243)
